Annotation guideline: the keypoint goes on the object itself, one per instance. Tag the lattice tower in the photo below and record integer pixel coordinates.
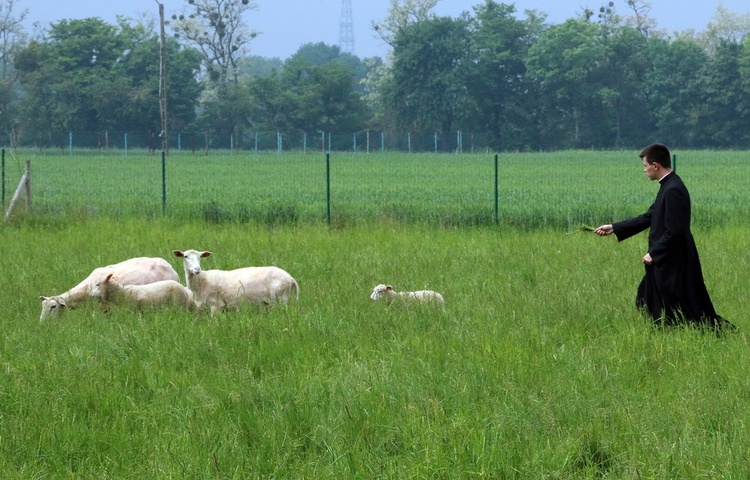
(346, 28)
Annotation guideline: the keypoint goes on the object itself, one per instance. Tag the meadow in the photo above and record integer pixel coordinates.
(541, 367)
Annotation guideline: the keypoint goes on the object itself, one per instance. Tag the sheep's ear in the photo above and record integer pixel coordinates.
(388, 287)
(205, 254)
(61, 302)
(42, 298)
(109, 277)
(178, 253)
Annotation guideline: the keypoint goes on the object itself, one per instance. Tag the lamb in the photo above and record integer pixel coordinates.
(220, 289)
(135, 271)
(164, 292)
(387, 293)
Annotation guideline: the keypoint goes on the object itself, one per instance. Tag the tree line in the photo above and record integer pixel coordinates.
(602, 79)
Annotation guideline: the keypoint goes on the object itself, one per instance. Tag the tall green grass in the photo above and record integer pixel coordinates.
(540, 368)
(560, 190)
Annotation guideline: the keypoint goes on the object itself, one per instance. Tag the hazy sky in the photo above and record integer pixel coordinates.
(285, 25)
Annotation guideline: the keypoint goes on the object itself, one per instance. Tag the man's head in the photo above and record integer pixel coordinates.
(657, 161)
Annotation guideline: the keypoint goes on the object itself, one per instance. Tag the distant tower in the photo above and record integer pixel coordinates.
(346, 28)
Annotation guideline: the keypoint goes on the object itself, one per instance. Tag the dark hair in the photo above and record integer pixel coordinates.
(656, 152)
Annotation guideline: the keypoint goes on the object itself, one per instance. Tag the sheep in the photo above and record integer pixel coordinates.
(387, 293)
(220, 289)
(135, 271)
(164, 292)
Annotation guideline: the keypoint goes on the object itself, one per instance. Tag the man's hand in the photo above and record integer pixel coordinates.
(604, 230)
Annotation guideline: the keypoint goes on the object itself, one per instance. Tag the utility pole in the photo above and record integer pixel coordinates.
(163, 81)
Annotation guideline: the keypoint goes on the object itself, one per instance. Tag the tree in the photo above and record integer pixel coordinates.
(497, 81)
(90, 76)
(271, 103)
(61, 76)
(565, 63)
(323, 92)
(218, 30)
(317, 89)
(725, 27)
(722, 117)
(311, 54)
(402, 13)
(140, 66)
(427, 89)
(12, 36)
(674, 95)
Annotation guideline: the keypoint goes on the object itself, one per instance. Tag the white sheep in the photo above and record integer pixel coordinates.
(387, 293)
(135, 271)
(162, 293)
(220, 289)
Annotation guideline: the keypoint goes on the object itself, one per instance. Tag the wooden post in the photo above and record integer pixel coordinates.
(27, 184)
(24, 184)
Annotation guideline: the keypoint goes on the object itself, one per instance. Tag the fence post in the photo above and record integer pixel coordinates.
(355, 142)
(436, 142)
(382, 142)
(328, 188)
(27, 175)
(3, 179)
(70, 143)
(408, 139)
(497, 193)
(163, 182)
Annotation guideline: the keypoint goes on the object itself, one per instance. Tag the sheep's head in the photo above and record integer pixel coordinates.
(191, 260)
(51, 306)
(101, 288)
(382, 291)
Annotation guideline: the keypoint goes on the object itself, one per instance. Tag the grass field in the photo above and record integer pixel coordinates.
(560, 189)
(540, 367)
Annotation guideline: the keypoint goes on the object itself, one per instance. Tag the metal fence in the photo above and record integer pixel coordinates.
(260, 141)
(551, 189)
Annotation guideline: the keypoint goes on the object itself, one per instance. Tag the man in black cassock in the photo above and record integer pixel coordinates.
(672, 290)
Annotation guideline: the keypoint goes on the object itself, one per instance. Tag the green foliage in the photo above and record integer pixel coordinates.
(90, 76)
(316, 91)
(429, 71)
(540, 367)
(600, 80)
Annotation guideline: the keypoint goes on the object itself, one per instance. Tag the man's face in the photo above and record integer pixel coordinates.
(650, 169)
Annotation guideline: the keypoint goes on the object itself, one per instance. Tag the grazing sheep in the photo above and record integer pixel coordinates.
(228, 288)
(135, 271)
(387, 293)
(164, 292)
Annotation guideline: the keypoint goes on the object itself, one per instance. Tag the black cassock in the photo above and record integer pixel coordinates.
(672, 289)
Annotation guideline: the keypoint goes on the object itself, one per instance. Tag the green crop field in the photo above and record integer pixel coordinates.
(540, 367)
(559, 189)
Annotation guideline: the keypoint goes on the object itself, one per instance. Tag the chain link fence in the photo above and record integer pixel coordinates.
(527, 190)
